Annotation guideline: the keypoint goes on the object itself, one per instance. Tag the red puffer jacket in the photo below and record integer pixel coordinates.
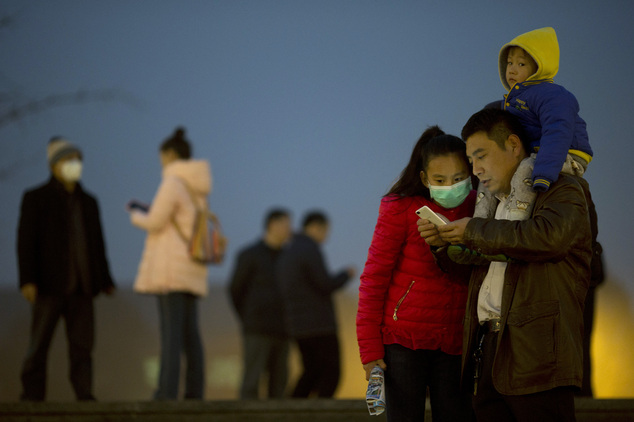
(404, 297)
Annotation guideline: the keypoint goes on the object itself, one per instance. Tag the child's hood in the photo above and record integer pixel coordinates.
(542, 45)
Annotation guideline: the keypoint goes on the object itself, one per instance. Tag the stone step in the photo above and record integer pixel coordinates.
(588, 410)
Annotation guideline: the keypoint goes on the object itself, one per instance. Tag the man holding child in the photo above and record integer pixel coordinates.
(522, 345)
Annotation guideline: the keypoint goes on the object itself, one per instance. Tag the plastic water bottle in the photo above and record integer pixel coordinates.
(375, 395)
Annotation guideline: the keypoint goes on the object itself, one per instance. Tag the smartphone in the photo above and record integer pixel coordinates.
(426, 213)
(136, 205)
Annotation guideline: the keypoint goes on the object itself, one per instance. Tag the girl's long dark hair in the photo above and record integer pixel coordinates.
(432, 143)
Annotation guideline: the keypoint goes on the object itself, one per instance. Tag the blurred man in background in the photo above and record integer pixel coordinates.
(62, 265)
(307, 288)
(256, 297)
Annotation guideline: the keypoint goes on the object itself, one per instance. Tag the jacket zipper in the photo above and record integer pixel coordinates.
(401, 300)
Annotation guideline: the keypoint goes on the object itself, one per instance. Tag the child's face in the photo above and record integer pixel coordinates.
(519, 66)
(445, 170)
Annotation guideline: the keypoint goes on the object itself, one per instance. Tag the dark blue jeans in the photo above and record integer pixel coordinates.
(408, 375)
(178, 314)
(264, 356)
(77, 312)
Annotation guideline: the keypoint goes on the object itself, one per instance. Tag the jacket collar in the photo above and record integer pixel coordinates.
(59, 187)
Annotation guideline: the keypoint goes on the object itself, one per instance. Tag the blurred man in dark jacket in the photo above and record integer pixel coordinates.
(63, 266)
(257, 300)
(307, 289)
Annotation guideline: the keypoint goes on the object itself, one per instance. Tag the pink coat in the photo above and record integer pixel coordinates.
(165, 265)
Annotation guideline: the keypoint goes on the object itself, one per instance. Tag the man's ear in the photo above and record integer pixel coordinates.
(515, 143)
(423, 178)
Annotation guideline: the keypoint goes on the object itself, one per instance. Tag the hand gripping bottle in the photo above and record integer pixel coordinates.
(375, 395)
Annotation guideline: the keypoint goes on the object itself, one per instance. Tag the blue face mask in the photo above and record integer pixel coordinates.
(451, 196)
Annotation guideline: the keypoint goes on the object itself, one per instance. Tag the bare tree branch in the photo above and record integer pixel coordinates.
(15, 112)
(14, 107)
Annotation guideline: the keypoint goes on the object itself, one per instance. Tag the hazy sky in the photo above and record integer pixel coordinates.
(301, 104)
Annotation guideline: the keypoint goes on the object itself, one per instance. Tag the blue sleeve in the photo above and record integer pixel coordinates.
(557, 111)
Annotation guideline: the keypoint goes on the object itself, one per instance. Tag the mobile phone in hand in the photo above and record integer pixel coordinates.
(427, 214)
(138, 206)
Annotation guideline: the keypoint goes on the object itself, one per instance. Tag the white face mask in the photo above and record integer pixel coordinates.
(71, 170)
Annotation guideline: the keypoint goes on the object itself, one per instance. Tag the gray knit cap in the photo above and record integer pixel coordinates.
(58, 148)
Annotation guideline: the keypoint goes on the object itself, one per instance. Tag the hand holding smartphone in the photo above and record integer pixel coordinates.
(135, 205)
(427, 214)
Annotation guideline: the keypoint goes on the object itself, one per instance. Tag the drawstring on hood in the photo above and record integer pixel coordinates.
(543, 47)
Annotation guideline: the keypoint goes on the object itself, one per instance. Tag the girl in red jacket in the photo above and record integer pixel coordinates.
(409, 320)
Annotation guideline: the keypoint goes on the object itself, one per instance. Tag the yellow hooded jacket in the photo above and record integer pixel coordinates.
(548, 112)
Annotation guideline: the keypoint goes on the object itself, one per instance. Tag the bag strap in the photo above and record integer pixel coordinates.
(210, 215)
(192, 195)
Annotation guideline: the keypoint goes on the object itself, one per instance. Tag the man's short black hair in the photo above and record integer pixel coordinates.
(275, 214)
(314, 217)
(498, 124)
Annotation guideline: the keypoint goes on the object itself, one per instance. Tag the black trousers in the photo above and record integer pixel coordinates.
(320, 357)
(556, 405)
(408, 375)
(77, 312)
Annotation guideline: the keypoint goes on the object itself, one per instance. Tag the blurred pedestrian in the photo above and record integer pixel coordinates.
(307, 288)
(63, 266)
(257, 300)
(166, 269)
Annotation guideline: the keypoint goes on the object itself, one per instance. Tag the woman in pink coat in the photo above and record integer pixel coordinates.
(409, 320)
(167, 271)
